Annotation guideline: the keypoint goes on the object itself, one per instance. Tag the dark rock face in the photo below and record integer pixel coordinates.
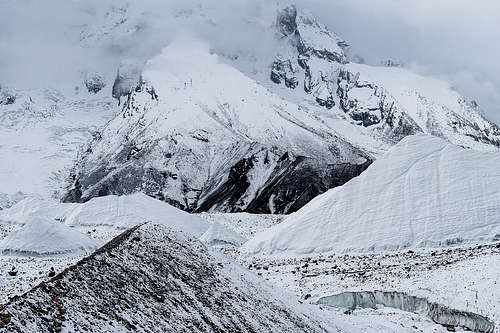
(286, 20)
(6, 97)
(130, 179)
(331, 84)
(151, 279)
(383, 111)
(290, 191)
(286, 70)
(233, 189)
(293, 182)
(283, 71)
(367, 116)
(94, 83)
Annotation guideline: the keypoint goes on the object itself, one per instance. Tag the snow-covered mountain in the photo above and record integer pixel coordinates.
(201, 135)
(424, 192)
(268, 127)
(208, 130)
(389, 102)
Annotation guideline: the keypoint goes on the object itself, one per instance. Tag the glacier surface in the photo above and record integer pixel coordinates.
(424, 192)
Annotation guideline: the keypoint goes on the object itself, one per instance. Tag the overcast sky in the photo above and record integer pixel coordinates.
(457, 40)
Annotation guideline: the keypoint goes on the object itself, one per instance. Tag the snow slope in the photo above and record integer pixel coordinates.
(424, 192)
(218, 234)
(41, 132)
(123, 212)
(41, 226)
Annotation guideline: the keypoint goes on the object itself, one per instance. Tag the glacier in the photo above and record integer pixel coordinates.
(424, 192)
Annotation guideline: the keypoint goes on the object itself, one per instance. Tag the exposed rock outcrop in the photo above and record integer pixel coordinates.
(94, 82)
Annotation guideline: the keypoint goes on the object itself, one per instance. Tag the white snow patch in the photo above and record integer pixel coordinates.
(218, 234)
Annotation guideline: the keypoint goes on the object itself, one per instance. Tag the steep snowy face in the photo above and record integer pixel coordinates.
(152, 279)
(41, 132)
(202, 136)
(424, 192)
(388, 103)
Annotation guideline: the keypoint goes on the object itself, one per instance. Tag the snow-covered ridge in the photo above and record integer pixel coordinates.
(424, 192)
(114, 213)
(200, 135)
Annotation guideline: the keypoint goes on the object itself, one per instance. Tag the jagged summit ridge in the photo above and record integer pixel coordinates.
(314, 60)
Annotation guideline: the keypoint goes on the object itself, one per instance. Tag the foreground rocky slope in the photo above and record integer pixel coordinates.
(152, 279)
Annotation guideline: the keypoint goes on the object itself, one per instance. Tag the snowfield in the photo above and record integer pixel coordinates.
(40, 135)
(463, 278)
(424, 193)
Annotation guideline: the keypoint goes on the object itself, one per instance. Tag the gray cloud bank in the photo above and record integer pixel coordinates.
(50, 42)
(456, 40)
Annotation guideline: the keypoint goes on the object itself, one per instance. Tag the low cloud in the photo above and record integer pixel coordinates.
(53, 41)
(455, 40)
